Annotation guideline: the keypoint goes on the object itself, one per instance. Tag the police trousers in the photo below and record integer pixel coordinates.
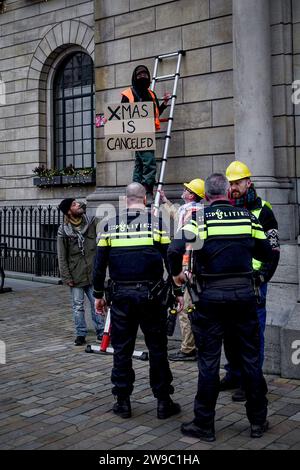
(219, 312)
(132, 306)
(232, 367)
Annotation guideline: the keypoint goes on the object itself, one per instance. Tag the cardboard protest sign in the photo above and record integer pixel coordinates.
(129, 126)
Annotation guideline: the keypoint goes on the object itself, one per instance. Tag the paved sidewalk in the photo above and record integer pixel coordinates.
(53, 395)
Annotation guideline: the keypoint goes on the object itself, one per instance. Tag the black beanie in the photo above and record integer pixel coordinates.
(65, 205)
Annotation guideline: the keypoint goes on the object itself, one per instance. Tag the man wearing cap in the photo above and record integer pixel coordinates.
(145, 164)
(243, 194)
(76, 248)
(193, 193)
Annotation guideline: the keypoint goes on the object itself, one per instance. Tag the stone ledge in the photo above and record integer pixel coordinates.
(32, 277)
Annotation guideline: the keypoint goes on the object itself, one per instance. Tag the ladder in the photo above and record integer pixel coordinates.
(175, 76)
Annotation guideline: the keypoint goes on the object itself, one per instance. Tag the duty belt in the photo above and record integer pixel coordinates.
(134, 284)
(226, 282)
(160, 290)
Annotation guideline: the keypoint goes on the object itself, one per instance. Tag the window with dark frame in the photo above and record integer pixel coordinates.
(74, 109)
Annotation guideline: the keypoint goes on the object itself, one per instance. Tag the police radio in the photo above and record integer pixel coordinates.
(171, 321)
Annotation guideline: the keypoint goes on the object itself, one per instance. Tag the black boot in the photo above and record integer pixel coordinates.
(229, 383)
(192, 430)
(239, 395)
(257, 430)
(122, 407)
(80, 341)
(167, 408)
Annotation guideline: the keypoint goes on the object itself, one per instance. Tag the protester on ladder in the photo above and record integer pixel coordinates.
(134, 245)
(76, 247)
(145, 163)
(243, 194)
(192, 195)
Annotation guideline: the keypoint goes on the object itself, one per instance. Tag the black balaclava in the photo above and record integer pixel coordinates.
(141, 86)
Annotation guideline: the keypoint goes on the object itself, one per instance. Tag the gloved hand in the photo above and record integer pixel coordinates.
(166, 98)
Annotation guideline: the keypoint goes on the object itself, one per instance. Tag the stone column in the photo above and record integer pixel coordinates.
(254, 145)
(290, 337)
(253, 86)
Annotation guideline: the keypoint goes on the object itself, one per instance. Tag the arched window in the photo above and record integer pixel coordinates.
(74, 104)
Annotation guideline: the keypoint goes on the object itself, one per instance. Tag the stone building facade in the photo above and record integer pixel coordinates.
(35, 38)
(234, 101)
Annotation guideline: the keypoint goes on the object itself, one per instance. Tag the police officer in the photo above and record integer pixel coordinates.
(243, 194)
(133, 245)
(223, 267)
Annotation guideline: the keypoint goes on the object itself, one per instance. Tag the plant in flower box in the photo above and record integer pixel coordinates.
(46, 176)
(80, 176)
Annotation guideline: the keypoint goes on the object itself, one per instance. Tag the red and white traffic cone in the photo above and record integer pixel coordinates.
(106, 333)
(104, 346)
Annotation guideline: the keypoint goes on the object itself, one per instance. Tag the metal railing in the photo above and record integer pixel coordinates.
(30, 237)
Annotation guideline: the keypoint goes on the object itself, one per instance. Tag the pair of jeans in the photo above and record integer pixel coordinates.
(77, 295)
(232, 367)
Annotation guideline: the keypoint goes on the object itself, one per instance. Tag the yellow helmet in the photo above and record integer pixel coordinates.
(196, 186)
(237, 171)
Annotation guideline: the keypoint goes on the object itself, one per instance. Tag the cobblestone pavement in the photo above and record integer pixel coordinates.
(53, 395)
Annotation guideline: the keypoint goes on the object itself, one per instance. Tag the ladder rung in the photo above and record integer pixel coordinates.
(171, 54)
(164, 77)
(172, 96)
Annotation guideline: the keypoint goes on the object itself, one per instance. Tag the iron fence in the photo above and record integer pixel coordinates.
(29, 234)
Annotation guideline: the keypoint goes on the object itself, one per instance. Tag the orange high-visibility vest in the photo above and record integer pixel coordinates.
(128, 93)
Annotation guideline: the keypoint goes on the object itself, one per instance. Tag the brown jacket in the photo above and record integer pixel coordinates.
(76, 251)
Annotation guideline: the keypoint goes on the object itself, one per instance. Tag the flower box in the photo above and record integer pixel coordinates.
(47, 181)
(78, 179)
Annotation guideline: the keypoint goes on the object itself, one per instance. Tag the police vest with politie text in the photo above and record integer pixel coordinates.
(229, 237)
(133, 244)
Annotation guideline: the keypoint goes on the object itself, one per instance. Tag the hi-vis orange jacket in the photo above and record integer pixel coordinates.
(128, 93)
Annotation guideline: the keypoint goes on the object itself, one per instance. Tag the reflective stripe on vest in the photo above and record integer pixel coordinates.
(128, 93)
(129, 238)
(256, 265)
(233, 227)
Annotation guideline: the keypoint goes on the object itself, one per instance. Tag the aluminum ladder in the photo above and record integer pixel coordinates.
(175, 76)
